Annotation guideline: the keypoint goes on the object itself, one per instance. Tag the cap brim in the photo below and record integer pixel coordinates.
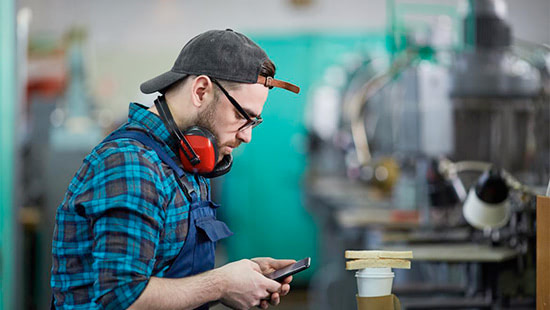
(161, 82)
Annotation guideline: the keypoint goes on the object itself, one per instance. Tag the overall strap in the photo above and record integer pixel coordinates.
(146, 140)
(203, 186)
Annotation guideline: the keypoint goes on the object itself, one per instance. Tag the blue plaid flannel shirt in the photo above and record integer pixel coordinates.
(123, 219)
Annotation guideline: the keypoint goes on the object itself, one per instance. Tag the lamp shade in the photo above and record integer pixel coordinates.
(487, 204)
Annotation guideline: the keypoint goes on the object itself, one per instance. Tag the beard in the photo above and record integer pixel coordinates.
(206, 120)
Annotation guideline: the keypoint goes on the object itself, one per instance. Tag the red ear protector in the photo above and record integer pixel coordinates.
(198, 151)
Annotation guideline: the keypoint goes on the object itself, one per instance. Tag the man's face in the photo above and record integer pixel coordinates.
(224, 121)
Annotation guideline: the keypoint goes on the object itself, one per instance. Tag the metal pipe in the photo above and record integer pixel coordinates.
(450, 169)
(359, 100)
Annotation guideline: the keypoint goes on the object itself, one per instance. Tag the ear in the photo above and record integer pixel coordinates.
(202, 91)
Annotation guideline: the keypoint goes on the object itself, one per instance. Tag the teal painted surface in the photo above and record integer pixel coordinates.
(262, 197)
(7, 104)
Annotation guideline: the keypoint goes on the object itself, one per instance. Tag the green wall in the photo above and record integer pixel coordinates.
(7, 103)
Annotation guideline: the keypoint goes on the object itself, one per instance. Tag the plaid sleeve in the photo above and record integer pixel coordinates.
(123, 201)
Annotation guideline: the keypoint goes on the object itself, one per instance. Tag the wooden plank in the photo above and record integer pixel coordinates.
(543, 253)
(378, 263)
(378, 254)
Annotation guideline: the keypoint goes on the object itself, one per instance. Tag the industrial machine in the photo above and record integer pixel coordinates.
(439, 148)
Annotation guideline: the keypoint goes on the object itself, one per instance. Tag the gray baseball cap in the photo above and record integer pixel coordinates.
(223, 54)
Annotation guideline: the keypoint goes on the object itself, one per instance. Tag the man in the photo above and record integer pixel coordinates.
(136, 227)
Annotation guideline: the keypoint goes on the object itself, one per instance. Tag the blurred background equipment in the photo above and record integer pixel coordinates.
(487, 204)
(63, 129)
(466, 124)
(422, 125)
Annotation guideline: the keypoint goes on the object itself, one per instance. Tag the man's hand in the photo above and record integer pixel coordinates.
(267, 266)
(245, 285)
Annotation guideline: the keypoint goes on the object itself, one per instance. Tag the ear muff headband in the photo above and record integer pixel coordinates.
(166, 116)
(222, 168)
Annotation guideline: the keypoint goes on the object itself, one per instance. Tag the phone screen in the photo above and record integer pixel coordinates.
(279, 275)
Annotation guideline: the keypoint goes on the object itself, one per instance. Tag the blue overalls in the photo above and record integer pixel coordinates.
(197, 254)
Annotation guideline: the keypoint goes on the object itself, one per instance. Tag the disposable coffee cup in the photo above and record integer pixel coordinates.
(374, 282)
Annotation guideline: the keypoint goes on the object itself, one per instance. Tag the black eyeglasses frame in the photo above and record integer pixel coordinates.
(250, 121)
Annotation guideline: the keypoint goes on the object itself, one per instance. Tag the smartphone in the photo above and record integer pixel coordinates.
(281, 274)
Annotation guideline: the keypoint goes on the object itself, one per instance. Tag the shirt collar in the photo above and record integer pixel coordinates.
(140, 115)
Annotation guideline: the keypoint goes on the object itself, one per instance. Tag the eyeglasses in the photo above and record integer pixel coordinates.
(250, 121)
